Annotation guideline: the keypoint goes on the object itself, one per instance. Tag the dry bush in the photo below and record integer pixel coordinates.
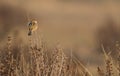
(34, 60)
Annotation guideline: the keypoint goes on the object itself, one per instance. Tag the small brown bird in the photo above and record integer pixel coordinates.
(33, 25)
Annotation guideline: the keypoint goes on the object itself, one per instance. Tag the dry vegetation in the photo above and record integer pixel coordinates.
(19, 60)
(34, 60)
(112, 67)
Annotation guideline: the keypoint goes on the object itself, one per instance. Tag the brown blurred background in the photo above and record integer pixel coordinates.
(79, 25)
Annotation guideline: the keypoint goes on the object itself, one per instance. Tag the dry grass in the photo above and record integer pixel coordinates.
(34, 60)
(112, 67)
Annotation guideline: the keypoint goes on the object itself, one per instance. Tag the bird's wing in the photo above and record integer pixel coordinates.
(31, 27)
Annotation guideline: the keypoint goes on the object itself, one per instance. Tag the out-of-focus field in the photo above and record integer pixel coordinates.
(76, 25)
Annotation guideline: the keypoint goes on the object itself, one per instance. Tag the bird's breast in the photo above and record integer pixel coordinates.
(35, 27)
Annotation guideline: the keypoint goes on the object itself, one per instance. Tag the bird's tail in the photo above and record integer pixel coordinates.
(29, 33)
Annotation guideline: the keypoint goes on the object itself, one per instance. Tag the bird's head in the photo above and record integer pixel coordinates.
(34, 21)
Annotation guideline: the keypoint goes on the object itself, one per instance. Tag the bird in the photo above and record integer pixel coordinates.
(32, 26)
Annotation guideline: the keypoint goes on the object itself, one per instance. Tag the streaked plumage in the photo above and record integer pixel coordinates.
(33, 25)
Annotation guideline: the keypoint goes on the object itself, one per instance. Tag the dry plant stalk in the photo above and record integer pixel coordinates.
(8, 63)
(100, 72)
(109, 68)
